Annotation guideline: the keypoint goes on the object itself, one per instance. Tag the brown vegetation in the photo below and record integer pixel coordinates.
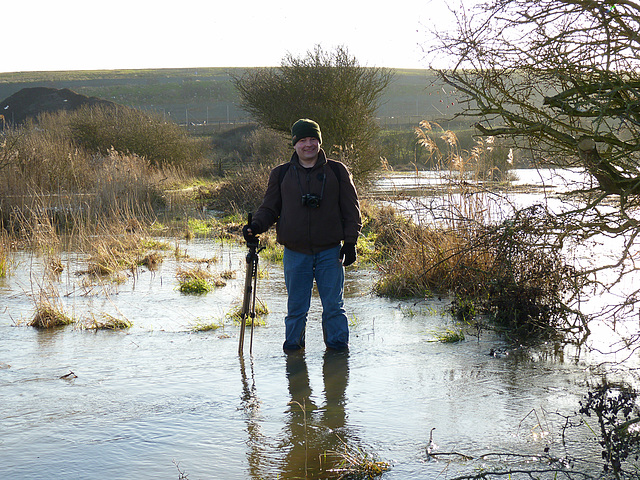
(49, 314)
(461, 246)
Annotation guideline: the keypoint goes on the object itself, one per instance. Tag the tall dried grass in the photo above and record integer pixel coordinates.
(118, 242)
(432, 253)
(5, 253)
(49, 313)
(242, 192)
(91, 161)
(463, 241)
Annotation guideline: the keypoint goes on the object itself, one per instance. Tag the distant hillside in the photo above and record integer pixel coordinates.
(207, 96)
(30, 102)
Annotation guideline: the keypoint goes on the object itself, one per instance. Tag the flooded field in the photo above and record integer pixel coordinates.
(163, 401)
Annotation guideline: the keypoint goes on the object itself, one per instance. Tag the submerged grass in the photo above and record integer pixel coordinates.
(353, 463)
(206, 326)
(106, 321)
(450, 336)
(113, 252)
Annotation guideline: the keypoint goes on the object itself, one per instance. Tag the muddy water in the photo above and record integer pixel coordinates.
(162, 401)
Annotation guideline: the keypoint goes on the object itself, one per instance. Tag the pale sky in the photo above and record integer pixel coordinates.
(123, 34)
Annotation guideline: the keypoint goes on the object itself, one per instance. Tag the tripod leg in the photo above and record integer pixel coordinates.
(248, 286)
(253, 301)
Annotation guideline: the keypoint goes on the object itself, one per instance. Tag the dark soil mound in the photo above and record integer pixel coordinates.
(30, 102)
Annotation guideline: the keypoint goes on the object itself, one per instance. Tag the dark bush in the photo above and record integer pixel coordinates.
(131, 131)
(613, 406)
(524, 282)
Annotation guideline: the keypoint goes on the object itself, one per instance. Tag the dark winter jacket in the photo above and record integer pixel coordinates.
(302, 228)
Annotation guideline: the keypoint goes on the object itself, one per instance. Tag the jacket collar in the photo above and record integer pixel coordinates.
(322, 159)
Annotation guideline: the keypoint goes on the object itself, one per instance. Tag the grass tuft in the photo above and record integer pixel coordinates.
(49, 315)
(196, 281)
(107, 322)
(261, 311)
(206, 326)
(354, 463)
(450, 336)
(195, 286)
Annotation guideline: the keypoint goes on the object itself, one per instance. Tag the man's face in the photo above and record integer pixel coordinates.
(307, 149)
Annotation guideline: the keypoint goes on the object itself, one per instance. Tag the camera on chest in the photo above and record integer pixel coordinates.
(310, 200)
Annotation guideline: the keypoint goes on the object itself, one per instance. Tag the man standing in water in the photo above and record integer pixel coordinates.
(315, 204)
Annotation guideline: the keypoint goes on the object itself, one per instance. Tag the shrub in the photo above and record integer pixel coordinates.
(613, 407)
(506, 269)
(101, 129)
(43, 159)
(524, 281)
(241, 192)
(330, 87)
(47, 169)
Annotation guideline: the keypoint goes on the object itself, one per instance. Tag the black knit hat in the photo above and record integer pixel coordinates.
(305, 128)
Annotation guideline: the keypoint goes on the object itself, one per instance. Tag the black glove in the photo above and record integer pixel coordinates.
(255, 230)
(348, 254)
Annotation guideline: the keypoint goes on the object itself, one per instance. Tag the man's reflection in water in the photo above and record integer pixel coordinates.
(312, 431)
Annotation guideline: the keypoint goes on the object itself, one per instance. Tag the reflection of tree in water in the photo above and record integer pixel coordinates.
(312, 431)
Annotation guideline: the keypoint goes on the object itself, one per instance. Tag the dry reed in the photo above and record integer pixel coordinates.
(437, 254)
(468, 242)
(49, 314)
(352, 462)
(5, 253)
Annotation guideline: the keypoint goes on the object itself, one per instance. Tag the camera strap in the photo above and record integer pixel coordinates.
(324, 180)
(285, 167)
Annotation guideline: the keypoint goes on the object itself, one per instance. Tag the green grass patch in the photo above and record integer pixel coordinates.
(450, 336)
(261, 310)
(195, 286)
(206, 326)
(201, 227)
(196, 281)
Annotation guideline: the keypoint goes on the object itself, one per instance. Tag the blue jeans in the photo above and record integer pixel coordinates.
(300, 270)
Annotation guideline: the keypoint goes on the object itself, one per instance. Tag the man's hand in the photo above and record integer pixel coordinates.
(348, 254)
(249, 232)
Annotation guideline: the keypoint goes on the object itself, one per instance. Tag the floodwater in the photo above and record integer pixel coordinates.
(162, 401)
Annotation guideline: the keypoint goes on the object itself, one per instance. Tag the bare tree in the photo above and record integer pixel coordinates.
(562, 79)
(332, 88)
